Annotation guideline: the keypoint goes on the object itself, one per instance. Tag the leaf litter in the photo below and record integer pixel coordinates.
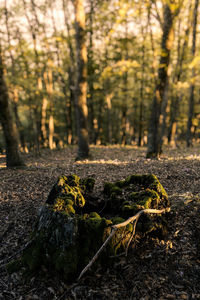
(154, 269)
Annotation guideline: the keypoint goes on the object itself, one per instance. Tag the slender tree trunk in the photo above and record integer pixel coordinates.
(176, 99)
(81, 82)
(158, 106)
(140, 136)
(51, 131)
(108, 129)
(13, 158)
(91, 74)
(192, 86)
(98, 132)
(36, 130)
(48, 78)
(18, 121)
(125, 90)
(70, 102)
(15, 97)
(34, 33)
(43, 121)
(124, 111)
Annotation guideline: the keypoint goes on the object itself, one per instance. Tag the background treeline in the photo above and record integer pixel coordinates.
(124, 51)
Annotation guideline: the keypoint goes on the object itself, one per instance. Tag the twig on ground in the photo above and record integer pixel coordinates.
(117, 226)
(7, 260)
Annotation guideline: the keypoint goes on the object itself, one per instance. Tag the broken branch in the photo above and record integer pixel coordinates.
(117, 226)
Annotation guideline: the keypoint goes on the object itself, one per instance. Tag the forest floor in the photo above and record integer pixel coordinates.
(159, 269)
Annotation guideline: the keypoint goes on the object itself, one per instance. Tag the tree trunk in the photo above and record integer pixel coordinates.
(158, 107)
(140, 134)
(43, 121)
(192, 86)
(91, 73)
(125, 90)
(18, 121)
(124, 110)
(12, 84)
(108, 134)
(51, 131)
(81, 82)
(13, 158)
(70, 103)
(176, 99)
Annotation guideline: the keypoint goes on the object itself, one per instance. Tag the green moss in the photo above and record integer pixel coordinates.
(134, 196)
(117, 220)
(67, 191)
(94, 215)
(66, 236)
(120, 183)
(69, 202)
(134, 179)
(69, 209)
(62, 181)
(88, 183)
(92, 232)
(107, 188)
(116, 190)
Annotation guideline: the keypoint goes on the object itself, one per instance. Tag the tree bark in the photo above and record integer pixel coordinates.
(91, 74)
(12, 84)
(158, 106)
(176, 99)
(81, 82)
(192, 86)
(13, 158)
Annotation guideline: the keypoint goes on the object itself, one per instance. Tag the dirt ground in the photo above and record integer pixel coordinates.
(157, 269)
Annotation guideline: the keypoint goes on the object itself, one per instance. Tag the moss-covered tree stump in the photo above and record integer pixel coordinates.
(70, 227)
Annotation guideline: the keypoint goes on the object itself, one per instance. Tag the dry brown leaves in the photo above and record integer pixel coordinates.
(157, 269)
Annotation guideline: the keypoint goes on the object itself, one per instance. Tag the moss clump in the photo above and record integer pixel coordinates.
(122, 236)
(141, 191)
(68, 193)
(94, 215)
(88, 183)
(141, 200)
(108, 186)
(68, 233)
(69, 209)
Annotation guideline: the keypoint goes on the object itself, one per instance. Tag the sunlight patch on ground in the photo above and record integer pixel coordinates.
(103, 161)
(185, 198)
(188, 157)
(117, 146)
(191, 157)
(2, 163)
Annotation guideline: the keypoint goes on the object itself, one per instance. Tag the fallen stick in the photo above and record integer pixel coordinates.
(117, 226)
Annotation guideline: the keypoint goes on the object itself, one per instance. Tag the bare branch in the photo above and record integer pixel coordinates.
(120, 225)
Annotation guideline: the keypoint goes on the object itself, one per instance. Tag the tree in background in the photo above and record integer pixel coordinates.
(123, 71)
(13, 158)
(157, 119)
(192, 86)
(81, 81)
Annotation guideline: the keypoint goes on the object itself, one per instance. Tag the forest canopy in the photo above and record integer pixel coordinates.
(101, 72)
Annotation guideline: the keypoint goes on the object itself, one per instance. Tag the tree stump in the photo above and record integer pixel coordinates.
(70, 227)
